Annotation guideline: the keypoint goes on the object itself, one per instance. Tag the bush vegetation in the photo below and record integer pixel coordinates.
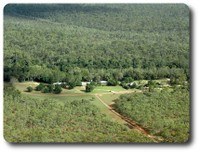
(164, 114)
(29, 89)
(29, 119)
(74, 43)
(39, 87)
(57, 89)
(50, 88)
(89, 87)
(71, 43)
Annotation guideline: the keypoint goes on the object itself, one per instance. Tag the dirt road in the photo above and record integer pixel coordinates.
(132, 124)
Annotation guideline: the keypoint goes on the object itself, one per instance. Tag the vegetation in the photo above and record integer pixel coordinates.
(39, 87)
(57, 89)
(151, 85)
(107, 89)
(112, 82)
(74, 43)
(49, 88)
(164, 114)
(29, 119)
(89, 87)
(125, 86)
(138, 47)
(45, 90)
(29, 89)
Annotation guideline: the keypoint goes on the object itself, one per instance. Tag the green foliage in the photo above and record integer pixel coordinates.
(39, 87)
(28, 120)
(50, 87)
(45, 90)
(151, 85)
(72, 85)
(50, 43)
(128, 79)
(164, 114)
(89, 87)
(57, 89)
(29, 89)
(10, 90)
(83, 42)
(178, 80)
(112, 82)
(125, 86)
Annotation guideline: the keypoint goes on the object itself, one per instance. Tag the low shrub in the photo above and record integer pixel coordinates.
(39, 87)
(57, 89)
(29, 89)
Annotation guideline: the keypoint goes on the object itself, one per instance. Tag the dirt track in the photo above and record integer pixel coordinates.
(130, 122)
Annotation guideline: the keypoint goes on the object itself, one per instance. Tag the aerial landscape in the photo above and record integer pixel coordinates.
(96, 73)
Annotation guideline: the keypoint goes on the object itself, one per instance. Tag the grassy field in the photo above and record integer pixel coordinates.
(79, 89)
(107, 112)
(109, 99)
(23, 85)
(108, 89)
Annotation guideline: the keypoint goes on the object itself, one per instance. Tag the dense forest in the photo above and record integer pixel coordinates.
(133, 58)
(74, 43)
(164, 114)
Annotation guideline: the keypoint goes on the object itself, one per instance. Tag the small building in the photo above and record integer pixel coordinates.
(59, 83)
(84, 83)
(103, 82)
(131, 83)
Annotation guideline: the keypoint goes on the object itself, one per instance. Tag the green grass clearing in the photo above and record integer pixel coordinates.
(106, 111)
(21, 86)
(109, 98)
(77, 90)
(107, 89)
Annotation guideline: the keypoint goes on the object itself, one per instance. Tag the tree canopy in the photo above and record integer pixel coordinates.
(83, 42)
